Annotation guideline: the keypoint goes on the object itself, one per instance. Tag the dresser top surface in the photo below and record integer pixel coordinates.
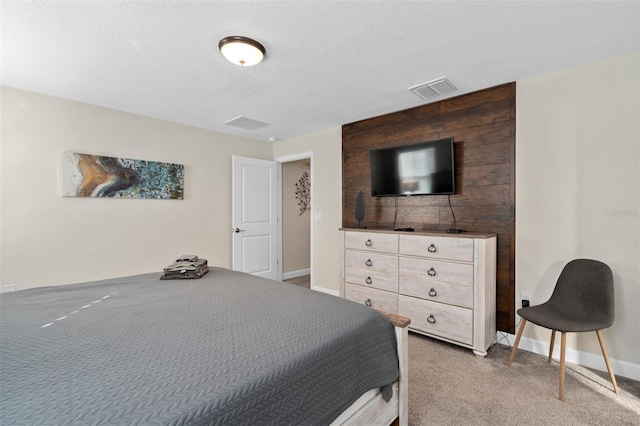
(424, 232)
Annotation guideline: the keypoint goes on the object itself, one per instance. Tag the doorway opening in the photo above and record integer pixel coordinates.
(296, 225)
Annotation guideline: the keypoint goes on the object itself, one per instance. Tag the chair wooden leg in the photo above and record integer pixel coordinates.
(515, 345)
(553, 340)
(563, 345)
(606, 360)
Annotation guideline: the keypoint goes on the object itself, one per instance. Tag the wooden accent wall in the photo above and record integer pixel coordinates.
(483, 127)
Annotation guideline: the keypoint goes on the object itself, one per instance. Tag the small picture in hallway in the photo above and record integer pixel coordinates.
(85, 175)
(303, 192)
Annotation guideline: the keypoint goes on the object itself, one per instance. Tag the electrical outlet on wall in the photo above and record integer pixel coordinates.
(525, 298)
(10, 287)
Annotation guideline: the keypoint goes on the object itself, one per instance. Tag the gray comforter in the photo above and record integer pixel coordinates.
(228, 348)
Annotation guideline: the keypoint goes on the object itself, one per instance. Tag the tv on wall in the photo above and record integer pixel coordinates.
(425, 168)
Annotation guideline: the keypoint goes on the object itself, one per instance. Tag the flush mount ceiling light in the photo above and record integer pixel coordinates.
(241, 50)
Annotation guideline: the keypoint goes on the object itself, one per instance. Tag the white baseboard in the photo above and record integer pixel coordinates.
(326, 290)
(586, 359)
(296, 274)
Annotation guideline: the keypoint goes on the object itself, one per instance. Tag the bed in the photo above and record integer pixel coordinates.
(229, 348)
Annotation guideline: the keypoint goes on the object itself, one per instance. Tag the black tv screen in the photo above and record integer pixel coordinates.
(425, 168)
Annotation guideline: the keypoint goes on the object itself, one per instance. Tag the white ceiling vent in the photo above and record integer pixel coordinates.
(433, 88)
(247, 123)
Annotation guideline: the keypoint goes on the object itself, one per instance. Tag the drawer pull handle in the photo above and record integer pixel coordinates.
(368, 262)
(432, 272)
(368, 243)
(432, 248)
(367, 302)
(368, 280)
(433, 292)
(431, 319)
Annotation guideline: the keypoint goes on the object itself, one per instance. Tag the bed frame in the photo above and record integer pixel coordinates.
(371, 408)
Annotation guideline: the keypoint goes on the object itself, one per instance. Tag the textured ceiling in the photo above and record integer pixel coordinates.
(328, 63)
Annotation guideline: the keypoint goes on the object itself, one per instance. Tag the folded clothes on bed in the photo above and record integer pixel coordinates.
(187, 258)
(186, 266)
(185, 269)
(186, 274)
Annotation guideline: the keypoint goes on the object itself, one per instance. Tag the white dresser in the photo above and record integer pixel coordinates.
(445, 283)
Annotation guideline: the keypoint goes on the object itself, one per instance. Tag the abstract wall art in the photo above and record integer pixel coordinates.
(303, 193)
(85, 175)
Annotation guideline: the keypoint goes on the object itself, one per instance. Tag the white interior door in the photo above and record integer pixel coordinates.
(254, 215)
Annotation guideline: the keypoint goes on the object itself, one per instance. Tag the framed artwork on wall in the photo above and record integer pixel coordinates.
(85, 175)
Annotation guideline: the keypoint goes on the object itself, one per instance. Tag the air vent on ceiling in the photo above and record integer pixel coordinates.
(433, 88)
(247, 123)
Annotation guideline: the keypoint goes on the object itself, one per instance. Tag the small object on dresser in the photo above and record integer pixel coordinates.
(360, 210)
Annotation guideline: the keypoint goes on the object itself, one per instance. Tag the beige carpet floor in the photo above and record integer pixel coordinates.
(304, 281)
(449, 385)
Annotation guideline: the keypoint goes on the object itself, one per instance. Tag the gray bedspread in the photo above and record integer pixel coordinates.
(229, 348)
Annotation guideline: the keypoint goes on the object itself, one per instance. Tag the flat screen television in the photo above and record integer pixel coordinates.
(425, 168)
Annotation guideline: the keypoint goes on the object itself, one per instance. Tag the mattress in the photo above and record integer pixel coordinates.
(229, 348)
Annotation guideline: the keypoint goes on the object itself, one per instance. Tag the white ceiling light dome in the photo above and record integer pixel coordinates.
(241, 50)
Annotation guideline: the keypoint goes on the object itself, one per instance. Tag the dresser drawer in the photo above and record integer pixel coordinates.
(434, 270)
(371, 241)
(452, 294)
(372, 279)
(439, 319)
(377, 299)
(371, 270)
(371, 262)
(460, 249)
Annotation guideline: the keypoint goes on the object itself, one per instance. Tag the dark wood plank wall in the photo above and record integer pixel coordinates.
(483, 126)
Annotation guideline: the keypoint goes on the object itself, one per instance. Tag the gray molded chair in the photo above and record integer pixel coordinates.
(581, 301)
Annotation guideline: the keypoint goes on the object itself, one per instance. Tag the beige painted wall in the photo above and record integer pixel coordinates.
(326, 177)
(296, 229)
(50, 239)
(577, 189)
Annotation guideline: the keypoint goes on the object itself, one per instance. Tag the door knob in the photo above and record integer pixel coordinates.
(237, 230)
